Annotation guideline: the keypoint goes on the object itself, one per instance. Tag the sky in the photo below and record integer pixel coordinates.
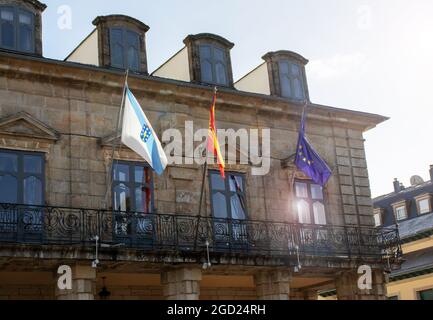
(370, 55)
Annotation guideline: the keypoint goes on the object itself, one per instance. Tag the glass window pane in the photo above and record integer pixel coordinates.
(238, 207)
(299, 93)
(8, 35)
(236, 183)
(33, 191)
(25, 38)
(301, 190)
(7, 15)
(316, 192)
(219, 55)
(424, 206)
(377, 220)
(143, 198)
(133, 59)
(206, 71)
(426, 295)
(319, 213)
(9, 189)
(142, 175)
(121, 172)
(25, 18)
(401, 213)
(32, 164)
(284, 68)
(219, 205)
(303, 212)
(217, 182)
(133, 41)
(205, 52)
(286, 89)
(116, 37)
(221, 73)
(122, 198)
(296, 71)
(8, 162)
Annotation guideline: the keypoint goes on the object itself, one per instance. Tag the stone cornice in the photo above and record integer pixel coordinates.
(87, 76)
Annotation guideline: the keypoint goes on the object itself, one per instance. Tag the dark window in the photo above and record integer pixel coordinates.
(291, 80)
(125, 49)
(21, 178)
(17, 28)
(310, 203)
(228, 196)
(426, 294)
(213, 65)
(132, 187)
(393, 298)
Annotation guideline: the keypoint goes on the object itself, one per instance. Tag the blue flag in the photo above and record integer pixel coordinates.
(308, 160)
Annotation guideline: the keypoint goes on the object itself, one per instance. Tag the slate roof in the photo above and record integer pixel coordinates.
(415, 264)
(416, 226)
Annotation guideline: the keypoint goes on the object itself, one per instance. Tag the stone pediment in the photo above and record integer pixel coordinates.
(23, 124)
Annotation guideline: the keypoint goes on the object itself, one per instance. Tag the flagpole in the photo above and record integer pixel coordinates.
(113, 151)
(205, 167)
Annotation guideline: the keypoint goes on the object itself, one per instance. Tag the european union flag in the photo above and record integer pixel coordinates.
(308, 160)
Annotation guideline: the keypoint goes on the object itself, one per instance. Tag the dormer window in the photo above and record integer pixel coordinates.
(17, 27)
(209, 59)
(125, 49)
(400, 210)
(291, 80)
(213, 65)
(423, 203)
(286, 72)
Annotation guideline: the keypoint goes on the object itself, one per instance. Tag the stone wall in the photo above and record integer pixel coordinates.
(85, 112)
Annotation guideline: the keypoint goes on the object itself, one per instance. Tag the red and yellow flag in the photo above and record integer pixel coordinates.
(212, 141)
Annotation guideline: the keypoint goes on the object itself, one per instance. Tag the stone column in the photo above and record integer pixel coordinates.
(347, 286)
(181, 283)
(83, 284)
(273, 285)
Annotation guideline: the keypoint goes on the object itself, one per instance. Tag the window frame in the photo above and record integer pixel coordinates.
(419, 199)
(132, 184)
(213, 61)
(21, 175)
(378, 212)
(310, 202)
(16, 25)
(228, 194)
(420, 291)
(398, 205)
(125, 47)
(292, 79)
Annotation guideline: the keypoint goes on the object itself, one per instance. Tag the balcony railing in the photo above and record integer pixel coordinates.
(164, 233)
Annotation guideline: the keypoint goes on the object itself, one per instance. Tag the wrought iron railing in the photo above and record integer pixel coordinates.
(164, 232)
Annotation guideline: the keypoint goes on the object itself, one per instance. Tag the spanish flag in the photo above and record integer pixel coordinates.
(213, 144)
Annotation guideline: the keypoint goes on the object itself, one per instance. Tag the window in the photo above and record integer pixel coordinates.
(291, 80)
(17, 29)
(378, 215)
(424, 206)
(426, 294)
(213, 65)
(400, 213)
(228, 196)
(21, 178)
(393, 298)
(125, 49)
(310, 203)
(132, 187)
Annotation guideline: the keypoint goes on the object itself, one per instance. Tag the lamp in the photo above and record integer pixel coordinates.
(104, 293)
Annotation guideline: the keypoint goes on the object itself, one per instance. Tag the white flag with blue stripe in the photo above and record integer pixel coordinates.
(138, 134)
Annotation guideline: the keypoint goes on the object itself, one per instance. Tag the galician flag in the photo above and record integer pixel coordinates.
(138, 134)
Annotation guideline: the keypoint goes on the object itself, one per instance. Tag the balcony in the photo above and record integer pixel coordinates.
(179, 234)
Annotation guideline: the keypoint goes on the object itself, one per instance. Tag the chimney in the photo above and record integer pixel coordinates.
(397, 186)
(431, 172)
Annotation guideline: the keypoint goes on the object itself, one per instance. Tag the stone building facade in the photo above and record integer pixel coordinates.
(57, 131)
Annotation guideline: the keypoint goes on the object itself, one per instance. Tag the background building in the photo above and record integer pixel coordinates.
(411, 209)
(278, 236)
